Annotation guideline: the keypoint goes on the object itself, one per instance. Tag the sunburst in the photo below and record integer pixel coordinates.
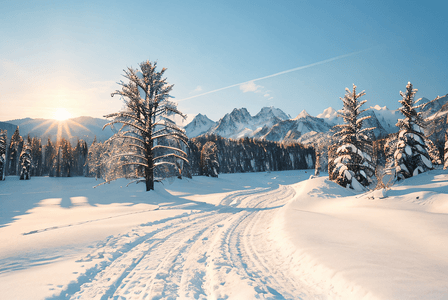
(61, 126)
(61, 114)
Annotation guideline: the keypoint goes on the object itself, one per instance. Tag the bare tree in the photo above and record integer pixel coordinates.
(149, 138)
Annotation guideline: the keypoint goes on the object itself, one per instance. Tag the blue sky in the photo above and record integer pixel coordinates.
(55, 54)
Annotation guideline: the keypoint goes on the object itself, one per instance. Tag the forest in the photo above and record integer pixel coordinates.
(207, 155)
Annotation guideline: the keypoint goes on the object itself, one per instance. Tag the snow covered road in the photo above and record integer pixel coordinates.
(214, 254)
(202, 239)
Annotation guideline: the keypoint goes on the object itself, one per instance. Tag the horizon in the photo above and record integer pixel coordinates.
(66, 58)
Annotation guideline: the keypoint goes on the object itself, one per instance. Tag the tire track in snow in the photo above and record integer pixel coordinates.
(239, 253)
(213, 254)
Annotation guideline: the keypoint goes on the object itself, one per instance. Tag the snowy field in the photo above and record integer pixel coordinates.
(272, 235)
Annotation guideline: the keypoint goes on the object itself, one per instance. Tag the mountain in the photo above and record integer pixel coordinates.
(431, 107)
(199, 125)
(331, 116)
(293, 129)
(10, 128)
(85, 128)
(239, 123)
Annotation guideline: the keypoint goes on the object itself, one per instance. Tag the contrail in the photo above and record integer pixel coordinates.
(277, 74)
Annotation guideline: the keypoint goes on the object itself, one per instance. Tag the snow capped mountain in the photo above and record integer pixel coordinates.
(273, 124)
(239, 123)
(388, 118)
(233, 125)
(433, 106)
(331, 116)
(199, 125)
(293, 129)
(271, 113)
(373, 122)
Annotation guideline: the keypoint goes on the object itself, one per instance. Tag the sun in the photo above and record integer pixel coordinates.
(61, 114)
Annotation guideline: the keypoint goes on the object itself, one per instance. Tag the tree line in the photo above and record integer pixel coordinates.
(212, 154)
(27, 157)
(207, 155)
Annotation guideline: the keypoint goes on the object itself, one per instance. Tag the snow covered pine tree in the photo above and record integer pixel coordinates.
(3, 137)
(445, 155)
(209, 159)
(25, 162)
(352, 164)
(145, 120)
(411, 155)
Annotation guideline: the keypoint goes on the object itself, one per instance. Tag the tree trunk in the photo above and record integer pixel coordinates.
(149, 169)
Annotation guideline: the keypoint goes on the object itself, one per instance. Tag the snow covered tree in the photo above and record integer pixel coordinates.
(95, 159)
(66, 162)
(144, 121)
(3, 139)
(15, 149)
(36, 156)
(49, 153)
(25, 162)
(433, 152)
(445, 155)
(411, 155)
(209, 159)
(352, 164)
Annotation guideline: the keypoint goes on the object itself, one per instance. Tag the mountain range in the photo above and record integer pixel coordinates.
(270, 124)
(273, 124)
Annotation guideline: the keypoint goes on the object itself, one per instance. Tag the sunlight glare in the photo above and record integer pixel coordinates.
(61, 114)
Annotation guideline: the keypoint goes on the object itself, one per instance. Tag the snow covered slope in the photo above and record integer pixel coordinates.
(271, 235)
(366, 246)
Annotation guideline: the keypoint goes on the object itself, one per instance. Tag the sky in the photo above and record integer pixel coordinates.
(220, 55)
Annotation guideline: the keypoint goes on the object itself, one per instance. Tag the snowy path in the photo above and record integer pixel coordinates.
(201, 255)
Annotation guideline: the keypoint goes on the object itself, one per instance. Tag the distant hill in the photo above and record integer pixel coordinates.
(9, 127)
(85, 128)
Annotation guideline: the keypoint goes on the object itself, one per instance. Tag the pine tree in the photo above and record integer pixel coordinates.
(352, 165)
(317, 165)
(445, 155)
(49, 154)
(66, 158)
(95, 159)
(209, 159)
(145, 121)
(3, 140)
(25, 162)
(433, 152)
(411, 155)
(36, 157)
(15, 149)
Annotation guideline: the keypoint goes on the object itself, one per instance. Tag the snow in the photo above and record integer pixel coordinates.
(426, 161)
(270, 235)
(388, 118)
(328, 113)
(408, 150)
(363, 248)
(303, 114)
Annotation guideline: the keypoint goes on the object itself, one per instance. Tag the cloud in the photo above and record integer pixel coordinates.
(196, 90)
(250, 86)
(266, 95)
